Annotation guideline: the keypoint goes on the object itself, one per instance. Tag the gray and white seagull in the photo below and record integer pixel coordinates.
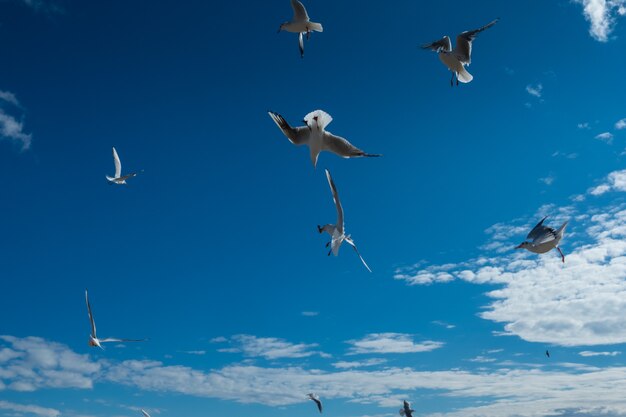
(543, 239)
(461, 56)
(317, 138)
(337, 231)
(300, 24)
(316, 400)
(118, 178)
(93, 338)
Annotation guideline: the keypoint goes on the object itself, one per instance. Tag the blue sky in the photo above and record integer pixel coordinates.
(213, 254)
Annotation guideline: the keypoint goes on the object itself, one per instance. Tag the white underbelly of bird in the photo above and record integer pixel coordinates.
(454, 65)
(300, 27)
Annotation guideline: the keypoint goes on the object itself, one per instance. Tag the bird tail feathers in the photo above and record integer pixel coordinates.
(464, 76)
(317, 27)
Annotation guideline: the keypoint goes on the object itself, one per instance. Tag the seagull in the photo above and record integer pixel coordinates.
(336, 231)
(547, 353)
(145, 413)
(300, 24)
(93, 339)
(456, 59)
(317, 138)
(543, 239)
(406, 410)
(118, 178)
(316, 400)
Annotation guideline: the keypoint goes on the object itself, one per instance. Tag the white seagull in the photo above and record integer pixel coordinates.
(543, 239)
(406, 410)
(337, 231)
(316, 400)
(456, 59)
(317, 138)
(93, 338)
(300, 24)
(118, 178)
(145, 413)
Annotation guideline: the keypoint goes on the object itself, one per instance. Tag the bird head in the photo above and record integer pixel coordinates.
(523, 245)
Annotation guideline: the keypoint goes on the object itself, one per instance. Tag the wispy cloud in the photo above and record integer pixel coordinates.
(270, 347)
(549, 180)
(43, 6)
(584, 126)
(310, 313)
(535, 90)
(602, 15)
(443, 324)
(620, 124)
(391, 343)
(605, 137)
(588, 353)
(10, 127)
(615, 181)
(29, 409)
(359, 364)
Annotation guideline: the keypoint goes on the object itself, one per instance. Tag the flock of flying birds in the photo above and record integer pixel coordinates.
(313, 134)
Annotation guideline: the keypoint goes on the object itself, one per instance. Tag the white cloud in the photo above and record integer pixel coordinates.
(588, 353)
(620, 124)
(390, 343)
(482, 359)
(270, 347)
(29, 409)
(9, 98)
(602, 14)
(10, 127)
(195, 352)
(359, 364)
(615, 181)
(584, 125)
(310, 313)
(549, 180)
(605, 137)
(443, 324)
(535, 90)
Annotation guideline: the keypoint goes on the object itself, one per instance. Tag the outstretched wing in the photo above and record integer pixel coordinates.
(463, 48)
(351, 243)
(297, 136)
(341, 147)
(118, 164)
(538, 230)
(299, 12)
(145, 413)
(112, 339)
(333, 189)
(442, 44)
(91, 320)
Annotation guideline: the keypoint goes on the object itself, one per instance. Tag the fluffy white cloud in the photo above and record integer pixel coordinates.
(391, 343)
(602, 15)
(615, 181)
(535, 90)
(29, 409)
(605, 137)
(620, 124)
(270, 347)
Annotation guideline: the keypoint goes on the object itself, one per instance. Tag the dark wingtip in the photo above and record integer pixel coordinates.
(372, 155)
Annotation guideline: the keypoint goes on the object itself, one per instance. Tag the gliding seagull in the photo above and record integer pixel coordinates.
(406, 410)
(456, 59)
(145, 413)
(337, 231)
(118, 178)
(300, 24)
(543, 239)
(316, 137)
(316, 400)
(93, 339)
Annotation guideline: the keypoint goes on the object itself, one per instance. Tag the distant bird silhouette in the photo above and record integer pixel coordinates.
(547, 353)
(406, 410)
(316, 400)
(543, 239)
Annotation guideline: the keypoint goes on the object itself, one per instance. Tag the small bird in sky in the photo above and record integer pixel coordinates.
(337, 231)
(461, 56)
(300, 24)
(543, 239)
(548, 353)
(316, 400)
(118, 178)
(406, 410)
(316, 137)
(93, 338)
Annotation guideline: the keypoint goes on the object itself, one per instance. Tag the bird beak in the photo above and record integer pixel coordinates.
(519, 246)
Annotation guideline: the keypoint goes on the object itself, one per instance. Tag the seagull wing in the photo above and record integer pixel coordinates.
(333, 189)
(91, 320)
(319, 404)
(118, 164)
(351, 243)
(442, 44)
(297, 136)
(113, 339)
(299, 12)
(145, 413)
(341, 147)
(538, 230)
(463, 48)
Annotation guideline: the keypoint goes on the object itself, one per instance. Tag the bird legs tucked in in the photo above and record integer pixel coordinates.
(562, 256)
(452, 79)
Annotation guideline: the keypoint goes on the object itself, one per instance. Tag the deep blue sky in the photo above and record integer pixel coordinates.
(217, 237)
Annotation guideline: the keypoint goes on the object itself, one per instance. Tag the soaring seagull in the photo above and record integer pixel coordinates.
(93, 339)
(145, 413)
(316, 137)
(118, 178)
(456, 59)
(543, 239)
(316, 400)
(300, 24)
(406, 410)
(337, 231)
